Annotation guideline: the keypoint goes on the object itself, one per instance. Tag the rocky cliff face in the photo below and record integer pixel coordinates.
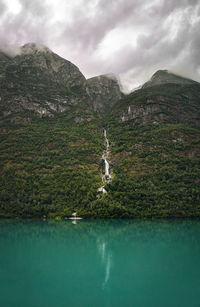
(104, 92)
(49, 66)
(39, 80)
(4, 61)
(166, 98)
(36, 79)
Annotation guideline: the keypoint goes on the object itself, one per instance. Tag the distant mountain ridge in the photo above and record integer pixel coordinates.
(166, 77)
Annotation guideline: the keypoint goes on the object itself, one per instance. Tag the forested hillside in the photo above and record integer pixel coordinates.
(52, 141)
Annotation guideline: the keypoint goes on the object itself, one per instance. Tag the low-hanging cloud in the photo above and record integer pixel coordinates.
(162, 34)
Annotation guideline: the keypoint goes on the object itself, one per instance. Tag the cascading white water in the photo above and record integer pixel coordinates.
(106, 167)
(106, 177)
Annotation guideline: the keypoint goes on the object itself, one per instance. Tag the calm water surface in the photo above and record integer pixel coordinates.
(100, 263)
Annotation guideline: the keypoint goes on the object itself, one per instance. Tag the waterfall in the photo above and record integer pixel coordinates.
(106, 176)
(106, 167)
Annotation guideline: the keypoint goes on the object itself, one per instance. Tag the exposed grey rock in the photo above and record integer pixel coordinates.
(142, 113)
(165, 98)
(161, 109)
(49, 64)
(104, 92)
(36, 79)
(36, 75)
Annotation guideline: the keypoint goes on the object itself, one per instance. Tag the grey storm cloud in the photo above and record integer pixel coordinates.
(165, 34)
(87, 32)
(2, 8)
(30, 24)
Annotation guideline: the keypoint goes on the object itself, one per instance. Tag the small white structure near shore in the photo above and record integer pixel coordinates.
(75, 217)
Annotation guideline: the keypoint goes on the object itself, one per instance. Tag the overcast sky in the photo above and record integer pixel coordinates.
(131, 38)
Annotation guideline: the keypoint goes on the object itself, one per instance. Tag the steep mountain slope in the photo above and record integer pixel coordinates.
(165, 103)
(52, 141)
(40, 81)
(103, 98)
(155, 145)
(51, 138)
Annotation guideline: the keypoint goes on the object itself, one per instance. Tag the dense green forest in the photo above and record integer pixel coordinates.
(52, 167)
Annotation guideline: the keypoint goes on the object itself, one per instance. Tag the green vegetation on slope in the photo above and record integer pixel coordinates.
(49, 166)
(156, 170)
(156, 159)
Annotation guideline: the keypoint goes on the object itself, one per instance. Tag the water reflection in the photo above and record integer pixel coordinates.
(105, 263)
(104, 232)
(106, 257)
(107, 271)
(101, 248)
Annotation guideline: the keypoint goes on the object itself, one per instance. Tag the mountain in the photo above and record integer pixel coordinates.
(39, 80)
(103, 98)
(155, 133)
(165, 77)
(164, 101)
(52, 124)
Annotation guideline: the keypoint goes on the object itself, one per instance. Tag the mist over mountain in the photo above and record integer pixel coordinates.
(140, 38)
(60, 132)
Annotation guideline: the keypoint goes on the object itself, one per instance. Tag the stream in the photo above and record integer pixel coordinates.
(106, 175)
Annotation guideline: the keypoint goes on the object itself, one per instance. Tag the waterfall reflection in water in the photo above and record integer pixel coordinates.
(106, 260)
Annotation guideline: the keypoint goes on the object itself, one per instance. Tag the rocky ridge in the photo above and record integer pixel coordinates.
(36, 79)
(165, 77)
(103, 98)
(166, 98)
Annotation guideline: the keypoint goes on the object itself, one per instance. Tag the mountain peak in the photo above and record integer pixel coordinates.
(34, 48)
(164, 77)
(160, 73)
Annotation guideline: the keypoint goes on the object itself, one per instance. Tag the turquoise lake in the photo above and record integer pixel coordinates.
(99, 263)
